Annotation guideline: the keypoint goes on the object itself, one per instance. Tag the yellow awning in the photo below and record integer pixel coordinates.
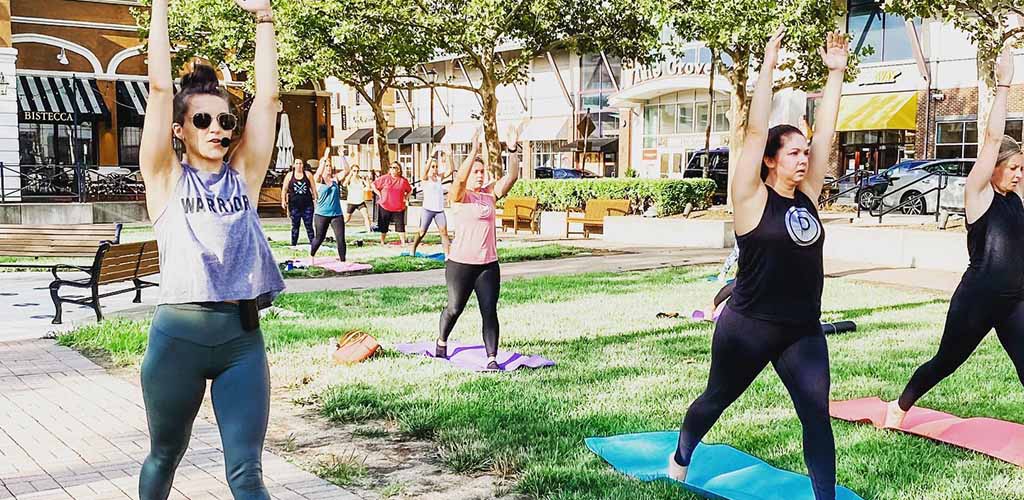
(896, 111)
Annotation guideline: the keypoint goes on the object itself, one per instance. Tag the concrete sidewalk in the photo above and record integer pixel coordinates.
(70, 430)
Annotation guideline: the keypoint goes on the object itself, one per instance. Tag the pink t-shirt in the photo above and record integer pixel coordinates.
(475, 239)
(393, 191)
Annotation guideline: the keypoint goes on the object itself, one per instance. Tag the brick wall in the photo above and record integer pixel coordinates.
(958, 102)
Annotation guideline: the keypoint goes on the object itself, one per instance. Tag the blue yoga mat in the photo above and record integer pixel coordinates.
(716, 470)
(434, 256)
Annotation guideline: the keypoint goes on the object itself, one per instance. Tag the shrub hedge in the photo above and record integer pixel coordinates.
(668, 196)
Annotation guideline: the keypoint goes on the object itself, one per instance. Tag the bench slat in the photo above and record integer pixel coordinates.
(35, 238)
(70, 227)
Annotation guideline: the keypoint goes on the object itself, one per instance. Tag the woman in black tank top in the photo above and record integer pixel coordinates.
(991, 290)
(773, 314)
(297, 199)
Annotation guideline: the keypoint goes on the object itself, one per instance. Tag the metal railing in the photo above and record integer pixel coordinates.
(835, 188)
(67, 184)
(879, 210)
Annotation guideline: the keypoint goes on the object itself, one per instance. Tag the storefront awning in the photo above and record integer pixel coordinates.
(396, 135)
(593, 145)
(460, 133)
(422, 136)
(638, 95)
(360, 136)
(57, 99)
(547, 129)
(895, 111)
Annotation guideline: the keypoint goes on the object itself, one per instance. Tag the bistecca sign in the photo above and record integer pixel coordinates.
(47, 116)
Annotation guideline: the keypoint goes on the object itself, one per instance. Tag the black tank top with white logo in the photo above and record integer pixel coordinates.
(781, 272)
(995, 244)
(300, 193)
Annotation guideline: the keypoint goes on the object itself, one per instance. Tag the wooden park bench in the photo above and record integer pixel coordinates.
(56, 240)
(593, 216)
(114, 263)
(519, 212)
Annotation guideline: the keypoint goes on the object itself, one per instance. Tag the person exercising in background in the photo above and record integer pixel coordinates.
(297, 199)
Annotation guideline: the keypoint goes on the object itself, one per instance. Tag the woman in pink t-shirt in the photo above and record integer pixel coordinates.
(472, 264)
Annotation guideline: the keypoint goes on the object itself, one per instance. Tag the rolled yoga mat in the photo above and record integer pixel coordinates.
(838, 327)
(716, 470)
(995, 438)
(474, 357)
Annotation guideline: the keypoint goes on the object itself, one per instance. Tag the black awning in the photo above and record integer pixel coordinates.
(593, 145)
(134, 95)
(51, 99)
(422, 136)
(396, 134)
(360, 136)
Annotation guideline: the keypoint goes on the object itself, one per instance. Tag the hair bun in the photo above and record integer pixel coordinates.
(203, 78)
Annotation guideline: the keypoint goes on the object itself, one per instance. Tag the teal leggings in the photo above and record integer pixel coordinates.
(188, 345)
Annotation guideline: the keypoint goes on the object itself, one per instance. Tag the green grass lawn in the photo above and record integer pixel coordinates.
(621, 370)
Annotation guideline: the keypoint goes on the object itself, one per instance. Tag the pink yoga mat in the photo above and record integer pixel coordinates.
(334, 264)
(996, 438)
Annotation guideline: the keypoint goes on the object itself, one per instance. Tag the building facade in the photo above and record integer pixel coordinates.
(76, 89)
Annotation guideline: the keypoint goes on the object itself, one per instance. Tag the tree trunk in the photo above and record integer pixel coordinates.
(489, 96)
(986, 94)
(380, 128)
(705, 163)
(739, 108)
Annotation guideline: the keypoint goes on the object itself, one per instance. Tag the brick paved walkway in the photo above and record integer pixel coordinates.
(70, 430)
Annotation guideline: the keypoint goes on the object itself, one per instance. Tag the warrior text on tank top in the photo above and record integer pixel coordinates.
(995, 244)
(781, 275)
(212, 247)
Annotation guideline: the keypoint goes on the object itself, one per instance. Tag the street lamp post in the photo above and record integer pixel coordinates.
(432, 75)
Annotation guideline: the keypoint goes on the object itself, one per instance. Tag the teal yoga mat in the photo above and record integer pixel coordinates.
(716, 471)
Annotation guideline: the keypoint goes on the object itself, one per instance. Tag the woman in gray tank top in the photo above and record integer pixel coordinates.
(216, 261)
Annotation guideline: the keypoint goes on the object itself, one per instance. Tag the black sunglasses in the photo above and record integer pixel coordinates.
(227, 121)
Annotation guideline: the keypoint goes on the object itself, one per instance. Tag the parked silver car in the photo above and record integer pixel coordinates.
(907, 185)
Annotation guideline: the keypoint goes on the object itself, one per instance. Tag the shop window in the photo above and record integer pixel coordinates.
(1015, 129)
(52, 144)
(885, 33)
(545, 154)
(650, 121)
(956, 140)
(685, 123)
(128, 145)
(721, 116)
(703, 116)
(667, 117)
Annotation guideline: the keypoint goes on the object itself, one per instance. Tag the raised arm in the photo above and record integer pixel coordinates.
(978, 189)
(342, 176)
(834, 54)
(252, 159)
(321, 170)
(748, 191)
(157, 161)
(458, 189)
(449, 162)
(504, 185)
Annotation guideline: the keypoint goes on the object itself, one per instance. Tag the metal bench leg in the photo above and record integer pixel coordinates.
(58, 310)
(96, 303)
(138, 290)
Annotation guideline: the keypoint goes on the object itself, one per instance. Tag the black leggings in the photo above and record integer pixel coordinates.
(972, 314)
(740, 349)
(462, 280)
(301, 215)
(337, 224)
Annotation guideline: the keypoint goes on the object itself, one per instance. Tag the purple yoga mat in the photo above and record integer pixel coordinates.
(473, 357)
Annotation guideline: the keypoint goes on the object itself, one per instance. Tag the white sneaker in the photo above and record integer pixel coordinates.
(675, 471)
(894, 415)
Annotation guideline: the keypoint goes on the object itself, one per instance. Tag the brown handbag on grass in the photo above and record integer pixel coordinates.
(353, 347)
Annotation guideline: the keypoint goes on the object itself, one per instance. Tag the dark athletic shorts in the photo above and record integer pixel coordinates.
(387, 217)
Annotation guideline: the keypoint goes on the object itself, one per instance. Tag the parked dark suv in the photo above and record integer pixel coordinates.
(718, 169)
